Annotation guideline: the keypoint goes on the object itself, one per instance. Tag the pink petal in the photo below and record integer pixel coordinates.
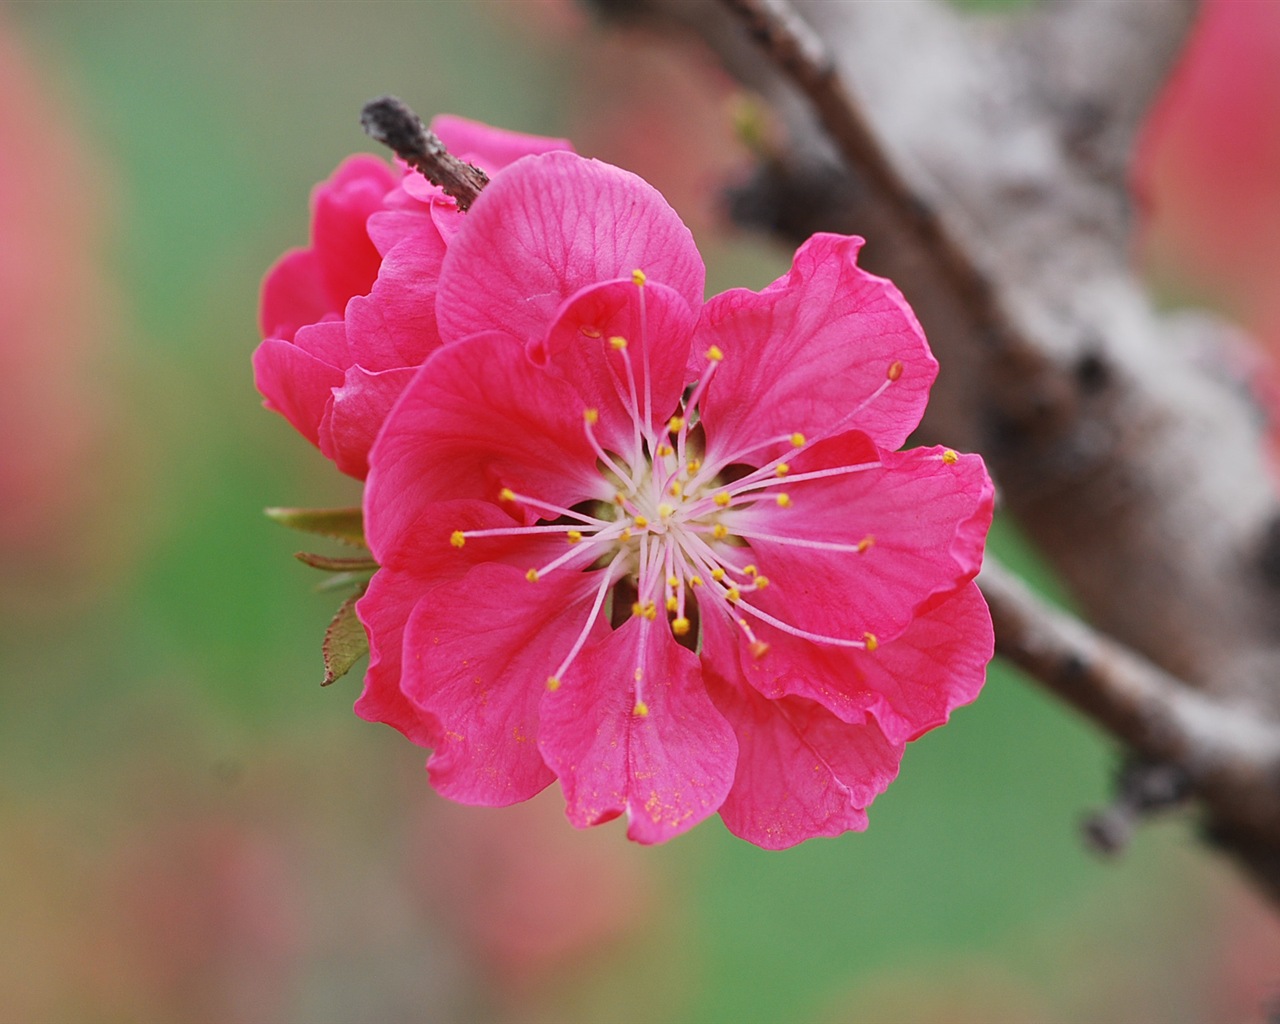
(327, 341)
(489, 148)
(657, 324)
(395, 325)
(357, 413)
(909, 685)
(293, 294)
(388, 227)
(478, 417)
(813, 353)
(667, 769)
(478, 652)
(927, 518)
(548, 226)
(801, 771)
(342, 206)
(421, 558)
(295, 384)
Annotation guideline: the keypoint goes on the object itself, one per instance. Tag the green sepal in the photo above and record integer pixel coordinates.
(340, 524)
(335, 564)
(345, 641)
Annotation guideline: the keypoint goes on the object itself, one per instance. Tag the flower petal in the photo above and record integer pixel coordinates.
(420, 558)
(357, 413)
(478, 652)
(801, 771)
(814, 353)
(293, 294)
(342, 205)
(548, 226)
(295, 384)
(489, 148)
(656, 324)
(925, 514)
(395, 325)
(667, 764)
(910, 684)
(477, 417)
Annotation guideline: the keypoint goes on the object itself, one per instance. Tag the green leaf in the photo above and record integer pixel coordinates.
(345, 642)
(341, 524)
(329, 564)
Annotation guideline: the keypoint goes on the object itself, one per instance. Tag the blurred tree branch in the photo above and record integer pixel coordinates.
(986, 161)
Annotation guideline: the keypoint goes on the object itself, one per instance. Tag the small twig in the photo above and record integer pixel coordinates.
(1143, 789)
(1227, 756)
(390, 121)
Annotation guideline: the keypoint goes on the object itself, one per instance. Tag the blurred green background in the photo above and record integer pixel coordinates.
(192, 830)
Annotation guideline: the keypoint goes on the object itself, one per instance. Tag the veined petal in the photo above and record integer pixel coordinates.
(654, 747)
(478, 417)
(802, 772)
(826, 349)
(295, 384)
(421, 558)
(909, 685)
(655, 323)
(357, 413)
(478, 652)
(924, 514)
(548, 226)
(395, 324)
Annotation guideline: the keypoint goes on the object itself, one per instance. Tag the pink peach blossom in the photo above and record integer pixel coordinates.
(347, 321)
(661, 551)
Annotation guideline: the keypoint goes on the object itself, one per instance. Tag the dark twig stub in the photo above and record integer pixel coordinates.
(390, 121)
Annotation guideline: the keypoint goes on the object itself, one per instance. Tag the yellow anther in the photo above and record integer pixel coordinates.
(870, 640)
(680, 626)
(532, 575)
(676, 489)
(641, 521)
(638, 278)
(506, 494)
(637, 608)
(714, 354)
(673, 605)
(619, 498)
(641, 708)
(673, 581)
(675, 424)
(733, 593)
(719, 531)
(797, 439)
(693, 465)
(625, 534)
(553, 683)
(749, 570)
(717, 574)
(783, 500)
(865, 543)
(759, 649)
(457, 538)
(950, 457)
(618, 342)
(722, 498)
(695, 581)
(665, 449)
(762, 582)
(591, 415)
(782, 470)
(574, 536)
(895, 370)
(666, 510)
(589, 332)
(650, 610)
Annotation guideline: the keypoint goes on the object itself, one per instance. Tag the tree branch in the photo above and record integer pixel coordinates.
(390, 121)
